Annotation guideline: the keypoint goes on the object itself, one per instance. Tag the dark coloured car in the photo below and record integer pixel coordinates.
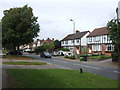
(45, 55)
(14, 53)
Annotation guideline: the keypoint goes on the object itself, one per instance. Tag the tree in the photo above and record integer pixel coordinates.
(57, 44)
(114, 30)
(0, 34)
(19, 27)
(45, 47)
(48, 46)
(39, 49)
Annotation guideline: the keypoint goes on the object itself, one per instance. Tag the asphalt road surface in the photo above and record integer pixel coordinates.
(98, 70)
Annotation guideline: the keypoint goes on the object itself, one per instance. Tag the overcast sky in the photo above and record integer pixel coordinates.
(54, 15)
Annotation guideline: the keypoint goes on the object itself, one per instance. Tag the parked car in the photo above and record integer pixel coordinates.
(14, 53)
(45, 55)
(55, 53)
(68, 53)
(61, 53)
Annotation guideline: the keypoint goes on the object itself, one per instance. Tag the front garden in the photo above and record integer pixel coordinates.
(87, 57)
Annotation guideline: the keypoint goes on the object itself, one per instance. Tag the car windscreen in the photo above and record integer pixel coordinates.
(46, 53)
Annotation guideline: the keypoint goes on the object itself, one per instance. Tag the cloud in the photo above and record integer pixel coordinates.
(54, 15)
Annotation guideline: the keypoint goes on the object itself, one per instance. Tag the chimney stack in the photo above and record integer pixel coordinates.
(52, 39)
(77, 31)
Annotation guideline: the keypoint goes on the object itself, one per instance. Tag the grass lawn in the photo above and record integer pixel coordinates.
(17, 57)
(25, 63)
(56, 78)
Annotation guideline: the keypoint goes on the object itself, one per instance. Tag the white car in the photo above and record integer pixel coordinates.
(68, 53)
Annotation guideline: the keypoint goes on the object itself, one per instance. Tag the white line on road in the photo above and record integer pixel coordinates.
(116, 71)
(63, 67)
(86, 66)
(60, 61)
(75, 64)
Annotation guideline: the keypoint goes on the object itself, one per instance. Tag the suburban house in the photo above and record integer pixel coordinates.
(75, 42)
(98, 41)
(36, 43)
(39, 42)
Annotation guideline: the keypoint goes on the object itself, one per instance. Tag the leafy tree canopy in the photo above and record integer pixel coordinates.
(57, 44)
(48, 46)
(19, 26)
(45, 47)
(114, 30)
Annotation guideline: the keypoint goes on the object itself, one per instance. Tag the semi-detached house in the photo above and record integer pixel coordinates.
(98, 41)
(75, 42)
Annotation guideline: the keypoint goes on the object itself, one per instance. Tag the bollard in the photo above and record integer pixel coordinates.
(81, 71)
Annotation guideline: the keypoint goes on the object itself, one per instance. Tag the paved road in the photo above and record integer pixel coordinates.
(98, 70)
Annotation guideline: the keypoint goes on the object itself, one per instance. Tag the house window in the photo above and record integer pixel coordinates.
(96, 48)
(73, 41)
(104, 39)
(90, 39)
(108, 38)
(66, 42)
(109, 47)
(78, 41)
(62, 42)
(97, 39)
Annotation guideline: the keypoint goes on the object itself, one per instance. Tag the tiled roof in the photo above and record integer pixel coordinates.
(77, 35)
(99, 31)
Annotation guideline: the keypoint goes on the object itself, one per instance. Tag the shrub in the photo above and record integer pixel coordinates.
(39, 49)
(64, 49)
(66, 56)
(114, 57)
(70, 57)
(99, 57)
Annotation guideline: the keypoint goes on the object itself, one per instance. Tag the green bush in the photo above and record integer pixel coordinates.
(70, 57)
(114, 57)
(99, 57)
(39, 49)
(64, 49)
(66, 56)
(4, 51)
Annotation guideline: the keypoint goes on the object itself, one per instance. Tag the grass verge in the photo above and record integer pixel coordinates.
(17, 57)
(25, 63)
(56, 78)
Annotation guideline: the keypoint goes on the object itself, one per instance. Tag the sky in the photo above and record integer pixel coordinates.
(54, 15)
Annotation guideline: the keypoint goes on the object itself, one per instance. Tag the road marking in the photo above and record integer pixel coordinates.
(54, 60)
(86, 66)
(96, 67)
(74, 64)
(60, 61)
(116, 71)
(63, 67)
(64, 62)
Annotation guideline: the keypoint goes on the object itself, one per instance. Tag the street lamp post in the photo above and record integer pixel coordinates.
(73, 35)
